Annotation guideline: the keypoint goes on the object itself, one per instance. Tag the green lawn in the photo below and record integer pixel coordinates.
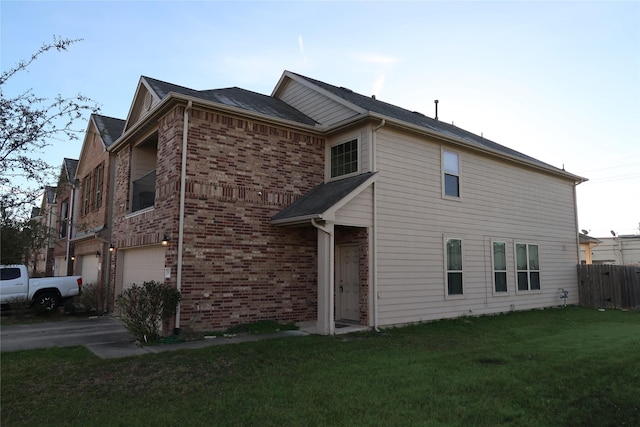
(570, 366)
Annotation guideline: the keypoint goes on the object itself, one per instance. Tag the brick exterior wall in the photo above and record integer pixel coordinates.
(93, 156)
(64, 194)
(237, 267)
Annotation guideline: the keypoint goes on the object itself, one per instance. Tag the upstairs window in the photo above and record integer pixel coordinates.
(86, 194)
(143, 174)
(344, 158)
(499, 267)
(64, 218)
(451, 173)
(98, 180)
(527, 267)
(454, 266)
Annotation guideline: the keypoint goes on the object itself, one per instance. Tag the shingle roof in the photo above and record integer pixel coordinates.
(418, 119)
(321, 198)
(235, 97)
(110, 128)
(71, 165)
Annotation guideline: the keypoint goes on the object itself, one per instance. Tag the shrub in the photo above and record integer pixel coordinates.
(143, 308)
(91, 297)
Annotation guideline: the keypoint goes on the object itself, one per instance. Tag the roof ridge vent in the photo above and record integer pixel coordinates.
(418, 113)
(346, 89)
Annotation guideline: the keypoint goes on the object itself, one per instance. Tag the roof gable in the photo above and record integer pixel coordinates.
(151, 91)
(109, 128)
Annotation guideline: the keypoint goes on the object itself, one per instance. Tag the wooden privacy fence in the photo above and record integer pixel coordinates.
(609, 286)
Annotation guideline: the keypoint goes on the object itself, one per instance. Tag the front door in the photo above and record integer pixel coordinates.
(348, 283)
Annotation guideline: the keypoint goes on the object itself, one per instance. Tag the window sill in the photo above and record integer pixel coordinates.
(141, 211)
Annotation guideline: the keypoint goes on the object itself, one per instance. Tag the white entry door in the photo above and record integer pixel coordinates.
(348, 283)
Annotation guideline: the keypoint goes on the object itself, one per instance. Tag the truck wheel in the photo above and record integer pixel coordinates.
(47, 301)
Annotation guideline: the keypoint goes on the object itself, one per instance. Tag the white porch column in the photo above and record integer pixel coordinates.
(326, 258)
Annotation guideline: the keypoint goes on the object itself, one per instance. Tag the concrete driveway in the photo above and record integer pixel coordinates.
(105, 337)
(64, 333)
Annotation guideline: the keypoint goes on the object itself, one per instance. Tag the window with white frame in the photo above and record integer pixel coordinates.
(98, 179)
(86, 195)
(454, 266)
(527, 267)
(499, 267)
(344, 158)
(451, 173)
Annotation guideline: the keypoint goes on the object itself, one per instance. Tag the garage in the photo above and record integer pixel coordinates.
(89, 265)
(142, 265)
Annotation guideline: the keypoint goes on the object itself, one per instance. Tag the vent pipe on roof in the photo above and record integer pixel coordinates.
(436, 102)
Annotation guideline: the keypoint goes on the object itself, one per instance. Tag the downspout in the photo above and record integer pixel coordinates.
(70, 223)
(183, 180)
(374, 167)
(331, 274)
(575, 213)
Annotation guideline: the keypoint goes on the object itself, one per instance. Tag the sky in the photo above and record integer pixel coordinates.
(559, 81)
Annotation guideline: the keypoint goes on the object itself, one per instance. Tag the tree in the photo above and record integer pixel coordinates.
(28, 124)
(21, 239)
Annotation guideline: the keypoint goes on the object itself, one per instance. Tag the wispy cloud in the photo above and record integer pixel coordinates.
(301, 46)
(383, 64)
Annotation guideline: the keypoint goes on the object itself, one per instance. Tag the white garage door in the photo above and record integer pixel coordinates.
(89, 268)
(143, 265)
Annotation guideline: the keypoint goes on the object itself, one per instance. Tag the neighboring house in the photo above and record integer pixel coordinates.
(64, 206)
(91, 236)
(46, 214)
(587, 243)
(619, 250)
(317, 204)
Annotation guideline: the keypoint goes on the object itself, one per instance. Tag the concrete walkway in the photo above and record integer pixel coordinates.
(105, 337)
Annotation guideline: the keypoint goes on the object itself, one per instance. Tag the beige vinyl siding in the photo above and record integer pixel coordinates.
(499, 201)
(315, 105)
(358, 212)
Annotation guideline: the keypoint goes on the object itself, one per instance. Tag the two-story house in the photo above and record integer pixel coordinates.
(317, 204)
(64, 202)
(91, 236)
(46, 215)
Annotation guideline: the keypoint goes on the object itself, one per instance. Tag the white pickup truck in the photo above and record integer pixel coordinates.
(47, 292)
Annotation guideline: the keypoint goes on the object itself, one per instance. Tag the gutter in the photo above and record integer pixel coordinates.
(183, 190)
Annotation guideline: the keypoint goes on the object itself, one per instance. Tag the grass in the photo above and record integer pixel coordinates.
(562, 367)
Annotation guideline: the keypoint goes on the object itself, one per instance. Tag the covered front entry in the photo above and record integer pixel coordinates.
(342, 213)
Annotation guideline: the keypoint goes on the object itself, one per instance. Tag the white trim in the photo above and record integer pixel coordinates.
(342, 141)
(529, 270)
(445, 239)
(494, 271)
(443, 172)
